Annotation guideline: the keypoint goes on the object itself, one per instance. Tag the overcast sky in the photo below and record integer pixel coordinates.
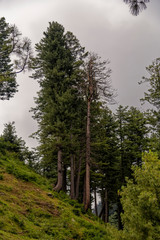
(102, 26)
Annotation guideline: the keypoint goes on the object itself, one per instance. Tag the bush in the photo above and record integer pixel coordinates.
(140, 200)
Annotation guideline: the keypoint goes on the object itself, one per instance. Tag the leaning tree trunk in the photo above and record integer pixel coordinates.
(59, 184)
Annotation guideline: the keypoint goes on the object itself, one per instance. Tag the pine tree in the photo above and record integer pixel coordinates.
(153, 81)
(9, 141)
(57, 68)
(133, 141)
(105, 161)
(12, 47)
(152, 96)
(133, 137)
(136, 6)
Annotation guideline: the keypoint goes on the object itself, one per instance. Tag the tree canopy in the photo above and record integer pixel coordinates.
(15, 54)
(140, 200)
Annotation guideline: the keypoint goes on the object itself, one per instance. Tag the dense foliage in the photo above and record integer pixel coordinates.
(85, 149)
(15, 54)
(141, 197)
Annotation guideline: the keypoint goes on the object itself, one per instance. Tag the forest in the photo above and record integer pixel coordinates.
(106, 160)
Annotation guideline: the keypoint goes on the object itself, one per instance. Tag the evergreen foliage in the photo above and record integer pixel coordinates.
(7, 87)
(153, 79)
(10, 142)
(152, 96)
(11, 47)
(57, 68)
(105, 161)
(133, 140)
(133, 137)
(136, 6)
(84, 148)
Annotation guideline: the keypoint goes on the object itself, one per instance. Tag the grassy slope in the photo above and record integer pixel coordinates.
(28, 212)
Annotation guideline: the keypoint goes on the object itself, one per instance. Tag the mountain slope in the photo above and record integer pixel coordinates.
(30, 210)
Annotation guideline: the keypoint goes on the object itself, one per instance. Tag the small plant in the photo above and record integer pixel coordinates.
(77, 211)
(18, 221)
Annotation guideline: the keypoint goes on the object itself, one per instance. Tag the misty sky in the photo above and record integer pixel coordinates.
(102, 26)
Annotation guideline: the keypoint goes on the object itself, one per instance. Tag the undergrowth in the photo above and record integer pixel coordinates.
(29, 209)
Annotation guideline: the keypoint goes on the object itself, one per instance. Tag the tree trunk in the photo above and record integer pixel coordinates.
(102, 210)
(84, 190)
(104, 214)
(88, 152)
(58, 186)
(90, 95)
(122, 167)
(95, 202)
(106, 217)
(120, 225)
(72, 178)
(64, 180)
(78, 177)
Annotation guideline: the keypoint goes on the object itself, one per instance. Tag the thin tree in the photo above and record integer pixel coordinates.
(97, 86)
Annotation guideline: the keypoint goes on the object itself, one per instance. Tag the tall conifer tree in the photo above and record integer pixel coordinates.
(57, 68)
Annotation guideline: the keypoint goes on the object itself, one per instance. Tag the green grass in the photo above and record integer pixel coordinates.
(27, 212)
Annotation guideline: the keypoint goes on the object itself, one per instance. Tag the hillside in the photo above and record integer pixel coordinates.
(30, 210)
